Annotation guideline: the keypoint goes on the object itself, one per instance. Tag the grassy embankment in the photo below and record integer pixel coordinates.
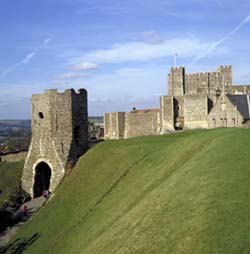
(10, 179)
(182, 193)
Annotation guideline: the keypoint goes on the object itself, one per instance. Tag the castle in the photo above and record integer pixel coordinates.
(198, 100)
(60, 121)
(59, 138)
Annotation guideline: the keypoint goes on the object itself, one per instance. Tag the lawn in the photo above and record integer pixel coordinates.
(187, 192)
(10, 179)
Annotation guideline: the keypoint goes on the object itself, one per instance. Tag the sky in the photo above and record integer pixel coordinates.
(120, 51)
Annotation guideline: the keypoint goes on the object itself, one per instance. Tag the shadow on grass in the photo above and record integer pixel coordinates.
(19, 245)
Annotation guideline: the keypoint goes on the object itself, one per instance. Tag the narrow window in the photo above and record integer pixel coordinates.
(233, 122)
(40, 114)
(62, 148)
(225, 122)
(214, 122)
(222, 122)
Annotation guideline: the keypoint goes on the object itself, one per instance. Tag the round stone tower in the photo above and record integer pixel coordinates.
(59, 137)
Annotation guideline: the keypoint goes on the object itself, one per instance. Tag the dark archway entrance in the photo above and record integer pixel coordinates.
(42, 179)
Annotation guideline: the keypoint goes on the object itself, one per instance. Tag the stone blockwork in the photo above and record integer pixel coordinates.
(119, 125)
(142, 123)
(195, 111)
(193, 102)
(13, 157)
(114, 125)
(167, 113)
(176, 81)
(59, 134)
(209, 83)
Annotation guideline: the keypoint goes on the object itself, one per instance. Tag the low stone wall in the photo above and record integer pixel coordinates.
(12, 157)
(241, 89)
(119, 125)
(114, 125)
(167, 113)
(196, 111)
(142, 124)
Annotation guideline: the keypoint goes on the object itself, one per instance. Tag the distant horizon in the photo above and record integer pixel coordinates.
(29, 119)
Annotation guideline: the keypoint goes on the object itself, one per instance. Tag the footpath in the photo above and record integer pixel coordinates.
(20, 217)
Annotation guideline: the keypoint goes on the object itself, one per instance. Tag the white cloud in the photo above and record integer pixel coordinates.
(77, 73)
(151, 37)
(142, 51)
(29, 57)
(25, 60)
(214, 45)
(70, 75)
(85, 66)
(130, 71)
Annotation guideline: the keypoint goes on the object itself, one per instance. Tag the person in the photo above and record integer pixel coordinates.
(44, 194)
(25, 210)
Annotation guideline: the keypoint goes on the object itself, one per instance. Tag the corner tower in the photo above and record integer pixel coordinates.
(59, 137)
(176, 81)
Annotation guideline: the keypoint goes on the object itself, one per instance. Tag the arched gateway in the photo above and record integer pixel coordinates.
(59, 137)
(41, 179)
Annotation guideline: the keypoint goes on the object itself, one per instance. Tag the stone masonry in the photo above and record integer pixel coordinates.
(119, 125)
(196, 100)
(59, 137)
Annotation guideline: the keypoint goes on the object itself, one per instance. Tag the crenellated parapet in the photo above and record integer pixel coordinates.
(205, 83)
(59, 137)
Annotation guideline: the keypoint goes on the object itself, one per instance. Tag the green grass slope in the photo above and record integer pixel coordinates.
(10, 179)
(182, 193)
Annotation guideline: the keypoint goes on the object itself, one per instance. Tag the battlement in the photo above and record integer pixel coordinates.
(225, 67)
(67, 94)
(59, 136)
(180, 83)
(177, 68)
(197, 74)
(47, 91)
(66, 91)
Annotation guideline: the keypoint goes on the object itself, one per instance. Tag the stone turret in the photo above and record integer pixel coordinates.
(226, 72)
(59, 137)
(176, 81)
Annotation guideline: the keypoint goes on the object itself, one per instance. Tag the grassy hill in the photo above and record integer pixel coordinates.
(182, 193)
(10, 179)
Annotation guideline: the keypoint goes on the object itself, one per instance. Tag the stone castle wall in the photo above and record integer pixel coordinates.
(167, 113)
(142, 124)
(119, 125)
(241, 89)
(59, 134)
(13, 157)
(114, 125)
(204, 83)
(176, 81)
(195, 111)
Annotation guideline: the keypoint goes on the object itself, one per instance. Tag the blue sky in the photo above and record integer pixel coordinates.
(120, 51)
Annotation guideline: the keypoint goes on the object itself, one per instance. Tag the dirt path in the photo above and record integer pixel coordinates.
(19, 216)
